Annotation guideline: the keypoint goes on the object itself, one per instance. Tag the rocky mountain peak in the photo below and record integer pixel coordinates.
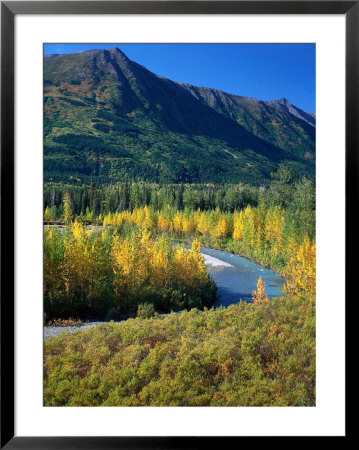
(284, 101)
(287, 106)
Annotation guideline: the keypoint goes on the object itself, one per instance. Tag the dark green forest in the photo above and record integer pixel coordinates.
(284, 189)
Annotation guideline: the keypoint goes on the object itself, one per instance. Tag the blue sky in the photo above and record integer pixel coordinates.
(264, 71)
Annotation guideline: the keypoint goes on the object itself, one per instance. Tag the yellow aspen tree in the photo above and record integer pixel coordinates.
(268, 226)
(107, 220)
(300, 272)
(124, 217)
(238, 225)
(260, 293)
(291, 248)
(180, 263)
(124, 265)
(161, 263)
(133, 217)
(186, 225)
(47, 214)
(89, 215)
(162, 223)
(203, 224)
(273, 229)
(196, 261)
(248, 227)
(177, 222)
(259, 225)
(196, 246)
(147, 222)
(195, 220)
(221, 228)
(77, 261)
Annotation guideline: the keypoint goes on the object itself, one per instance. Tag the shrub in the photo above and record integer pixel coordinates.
(101, 127)
(145, 310)
(259, 354)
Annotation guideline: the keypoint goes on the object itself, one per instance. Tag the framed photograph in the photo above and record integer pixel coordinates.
(175, 179)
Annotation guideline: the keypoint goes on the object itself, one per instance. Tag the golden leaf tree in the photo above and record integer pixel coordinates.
(260, 293)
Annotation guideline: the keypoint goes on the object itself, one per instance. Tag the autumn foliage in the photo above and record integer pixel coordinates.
(265, 234)
(108, 274)
(260, 294)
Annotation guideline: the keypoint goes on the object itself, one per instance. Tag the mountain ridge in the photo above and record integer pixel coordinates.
(191, 120)
(280, 102)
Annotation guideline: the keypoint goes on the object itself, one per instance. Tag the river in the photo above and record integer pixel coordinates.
(236, 277)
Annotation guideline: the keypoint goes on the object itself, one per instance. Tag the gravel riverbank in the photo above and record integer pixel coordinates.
(51, 331)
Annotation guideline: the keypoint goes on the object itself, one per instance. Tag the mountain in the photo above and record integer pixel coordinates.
(109, 119)
(286, 105)
(268, 120)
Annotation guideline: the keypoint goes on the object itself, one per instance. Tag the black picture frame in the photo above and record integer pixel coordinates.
(9, 9)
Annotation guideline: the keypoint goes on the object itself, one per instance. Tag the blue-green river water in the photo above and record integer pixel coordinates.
(236, 277)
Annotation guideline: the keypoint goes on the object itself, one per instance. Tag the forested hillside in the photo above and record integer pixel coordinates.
(108, 119)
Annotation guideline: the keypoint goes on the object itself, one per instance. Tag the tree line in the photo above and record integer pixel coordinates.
(285, 190)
